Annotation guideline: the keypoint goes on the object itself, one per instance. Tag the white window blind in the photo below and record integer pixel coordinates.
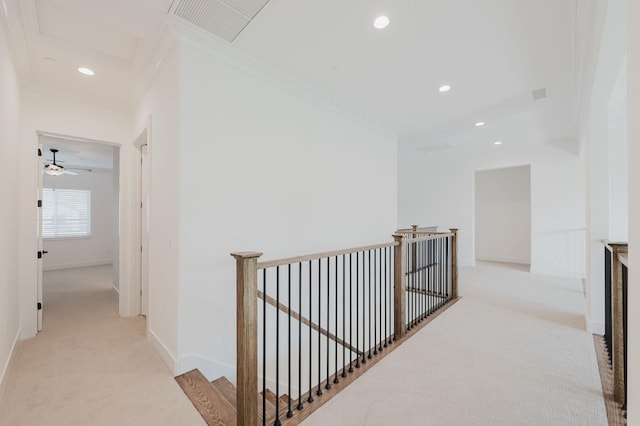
(66, 213)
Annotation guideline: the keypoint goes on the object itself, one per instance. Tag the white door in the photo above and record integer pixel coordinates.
(41, 251)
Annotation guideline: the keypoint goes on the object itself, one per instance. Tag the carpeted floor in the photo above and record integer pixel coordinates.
(88, 366)
(513, 351)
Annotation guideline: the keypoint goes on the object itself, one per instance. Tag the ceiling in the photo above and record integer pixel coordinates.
(76, 153)
(493, 53)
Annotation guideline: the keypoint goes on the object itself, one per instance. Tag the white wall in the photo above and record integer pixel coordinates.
(503, 215)
(618, 168)
(603, 136)
(86, 251)
(438, 188)
(160, 108)
(264, 167)
(633, 72)
(60, 114)
(9, 194)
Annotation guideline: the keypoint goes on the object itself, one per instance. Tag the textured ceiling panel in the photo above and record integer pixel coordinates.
(224, 18)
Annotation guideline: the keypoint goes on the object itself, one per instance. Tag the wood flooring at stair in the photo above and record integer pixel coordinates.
(214, 407)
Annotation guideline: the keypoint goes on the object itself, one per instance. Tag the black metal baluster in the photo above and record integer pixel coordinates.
(419, 280)
(380, 305)
(344, 316)
(440, 252)
(440, 272)
(319, 391)
(289, 412)
(328, 384)
(391, 297)
(448, 267)
(375, 306)
(412, 286)
(351, 314)
(431, 278)
(264, 345)
(300, 406)
(369, 311)
(357, 309)
(310, 398)
(386, 300)
(335, 346)
(425, 279)
(277, 422)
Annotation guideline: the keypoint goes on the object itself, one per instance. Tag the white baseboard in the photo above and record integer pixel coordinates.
(7, 365)
(77, 265)
(504, 260)
(164, 352)
(555, 272)
(210, 368)
(595, 327)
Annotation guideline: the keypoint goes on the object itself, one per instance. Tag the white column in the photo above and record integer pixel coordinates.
(633, 87)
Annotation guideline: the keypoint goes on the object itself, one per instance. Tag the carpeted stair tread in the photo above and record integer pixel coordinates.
(212, 405)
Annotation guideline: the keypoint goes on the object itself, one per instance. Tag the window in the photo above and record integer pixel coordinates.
(66, 213)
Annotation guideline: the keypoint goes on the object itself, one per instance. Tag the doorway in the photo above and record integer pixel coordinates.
(78, 219)
(503, 215)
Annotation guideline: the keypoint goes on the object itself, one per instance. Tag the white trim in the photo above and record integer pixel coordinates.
(9, 363)
(556, 272)
(116, 290)
(595, 327)
(164, 352)
(77, 265)
(210, 368)
(504, 260)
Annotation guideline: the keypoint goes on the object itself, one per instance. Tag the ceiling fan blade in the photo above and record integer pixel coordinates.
(79, 169)
(69, 173)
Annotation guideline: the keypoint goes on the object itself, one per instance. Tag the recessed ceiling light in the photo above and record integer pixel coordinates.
(444, 88)
(497, 143)
(381, 22)
(480, 123)
(86, 71)
(50, 59)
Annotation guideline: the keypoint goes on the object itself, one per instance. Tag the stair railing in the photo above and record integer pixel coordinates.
(306, 324)
(615, 333)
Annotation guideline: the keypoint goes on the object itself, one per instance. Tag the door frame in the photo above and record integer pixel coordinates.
(123, 282)
(142, 144)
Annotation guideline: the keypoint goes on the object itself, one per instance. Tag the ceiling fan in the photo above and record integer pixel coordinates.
(55, 169)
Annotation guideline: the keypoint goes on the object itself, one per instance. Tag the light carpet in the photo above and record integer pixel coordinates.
(513, 351)
(89, 366)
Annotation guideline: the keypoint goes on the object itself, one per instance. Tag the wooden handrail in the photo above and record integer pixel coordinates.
(427, 236)
(284, 308)
(315, 256)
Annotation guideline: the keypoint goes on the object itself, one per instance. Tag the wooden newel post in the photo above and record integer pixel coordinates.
(247, 336)
(399, 291)
(454, 263)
